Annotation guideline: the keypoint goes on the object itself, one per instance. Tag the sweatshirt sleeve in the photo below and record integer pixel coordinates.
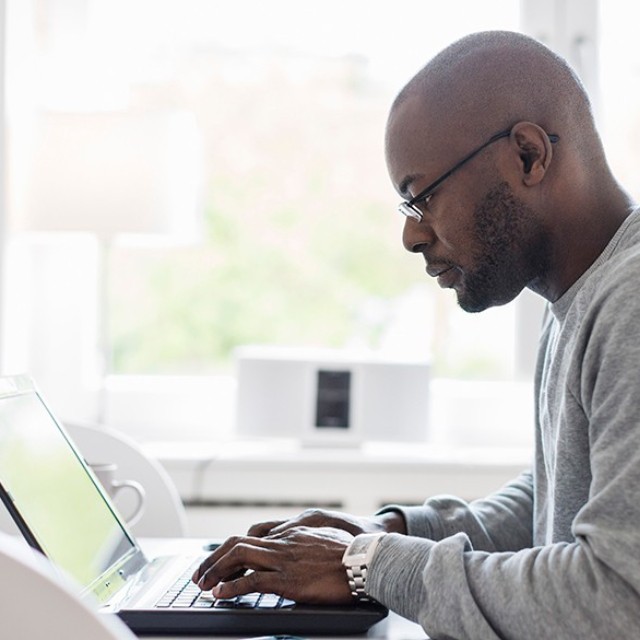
(559, 591)
(500, 522)
(586, 586)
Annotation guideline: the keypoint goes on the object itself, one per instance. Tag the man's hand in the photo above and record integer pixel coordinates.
(391, 522)
(300, 563)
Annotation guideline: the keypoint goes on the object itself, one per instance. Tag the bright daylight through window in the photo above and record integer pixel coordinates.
(261, 123)
(299, 243)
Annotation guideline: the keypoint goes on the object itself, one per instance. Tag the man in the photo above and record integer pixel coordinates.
(493, 147)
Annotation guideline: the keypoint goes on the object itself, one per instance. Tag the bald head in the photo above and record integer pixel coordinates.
(488, 81)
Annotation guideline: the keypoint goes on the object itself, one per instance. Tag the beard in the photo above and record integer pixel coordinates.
(511, 251)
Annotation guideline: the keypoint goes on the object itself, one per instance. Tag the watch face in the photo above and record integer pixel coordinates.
(362, 549)
(359, 545)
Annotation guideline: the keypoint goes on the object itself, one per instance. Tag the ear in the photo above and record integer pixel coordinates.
(534, 150)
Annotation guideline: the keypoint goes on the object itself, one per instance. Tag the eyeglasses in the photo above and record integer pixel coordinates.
(409, 208)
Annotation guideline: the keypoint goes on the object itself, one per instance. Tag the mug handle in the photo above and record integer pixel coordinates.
(140, 492)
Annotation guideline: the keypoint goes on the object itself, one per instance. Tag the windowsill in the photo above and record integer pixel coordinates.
(357, 479)
(293, 451)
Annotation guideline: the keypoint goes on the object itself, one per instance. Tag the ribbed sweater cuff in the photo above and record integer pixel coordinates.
(395, 576)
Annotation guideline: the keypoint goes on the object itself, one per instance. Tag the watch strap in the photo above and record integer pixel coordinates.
(357, 569)
(357, 578)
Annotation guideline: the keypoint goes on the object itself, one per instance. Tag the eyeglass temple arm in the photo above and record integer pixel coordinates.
(553, 138)
(442, 178)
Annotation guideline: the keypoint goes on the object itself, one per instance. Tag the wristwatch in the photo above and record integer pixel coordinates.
(357, 559)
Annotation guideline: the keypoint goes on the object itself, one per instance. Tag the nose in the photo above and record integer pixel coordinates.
(416, 235)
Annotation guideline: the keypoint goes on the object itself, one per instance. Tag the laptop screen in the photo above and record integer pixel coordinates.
(57, 499)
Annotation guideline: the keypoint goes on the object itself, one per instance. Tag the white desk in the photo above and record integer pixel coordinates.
(392, 628)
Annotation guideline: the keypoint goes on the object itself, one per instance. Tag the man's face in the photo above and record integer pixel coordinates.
(477, 237)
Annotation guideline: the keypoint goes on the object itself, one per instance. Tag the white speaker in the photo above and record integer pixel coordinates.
(330, 397)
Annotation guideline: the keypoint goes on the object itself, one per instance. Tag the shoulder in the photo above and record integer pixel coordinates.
(619, 278)
(613, 284)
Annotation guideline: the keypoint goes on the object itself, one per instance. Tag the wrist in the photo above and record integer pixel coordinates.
(392, 522)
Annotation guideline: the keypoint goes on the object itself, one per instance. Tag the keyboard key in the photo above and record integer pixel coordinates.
(225, 604)
(248, 600)
(163, 604)
(202, 604)
(269, 601)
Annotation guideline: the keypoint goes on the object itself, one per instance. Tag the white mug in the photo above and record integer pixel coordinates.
(106, 474)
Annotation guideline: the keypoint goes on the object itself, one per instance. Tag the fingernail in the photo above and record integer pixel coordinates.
(216, 591)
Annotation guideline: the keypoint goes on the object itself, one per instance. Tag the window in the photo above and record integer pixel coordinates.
(619, 106)
(273, 117)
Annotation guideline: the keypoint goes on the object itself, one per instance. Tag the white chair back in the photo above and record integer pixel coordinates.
(35, 603)
(164, 515)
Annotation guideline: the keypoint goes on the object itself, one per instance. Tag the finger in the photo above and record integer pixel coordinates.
(211, 559)
(214, 557)
(261, 529)
(256, 581)
(317, 518)
(240, 558)
(308, 518)
(283, 527)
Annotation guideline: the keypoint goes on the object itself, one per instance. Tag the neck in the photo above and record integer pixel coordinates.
(579, 238)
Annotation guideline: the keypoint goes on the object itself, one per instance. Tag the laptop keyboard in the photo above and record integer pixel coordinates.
(184, 594)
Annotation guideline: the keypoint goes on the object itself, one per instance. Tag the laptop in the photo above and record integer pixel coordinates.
(62, 511)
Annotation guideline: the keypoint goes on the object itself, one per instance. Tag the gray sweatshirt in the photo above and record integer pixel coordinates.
(556, 553)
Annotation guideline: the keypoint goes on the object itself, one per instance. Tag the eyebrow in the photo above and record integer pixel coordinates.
(403, 187)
